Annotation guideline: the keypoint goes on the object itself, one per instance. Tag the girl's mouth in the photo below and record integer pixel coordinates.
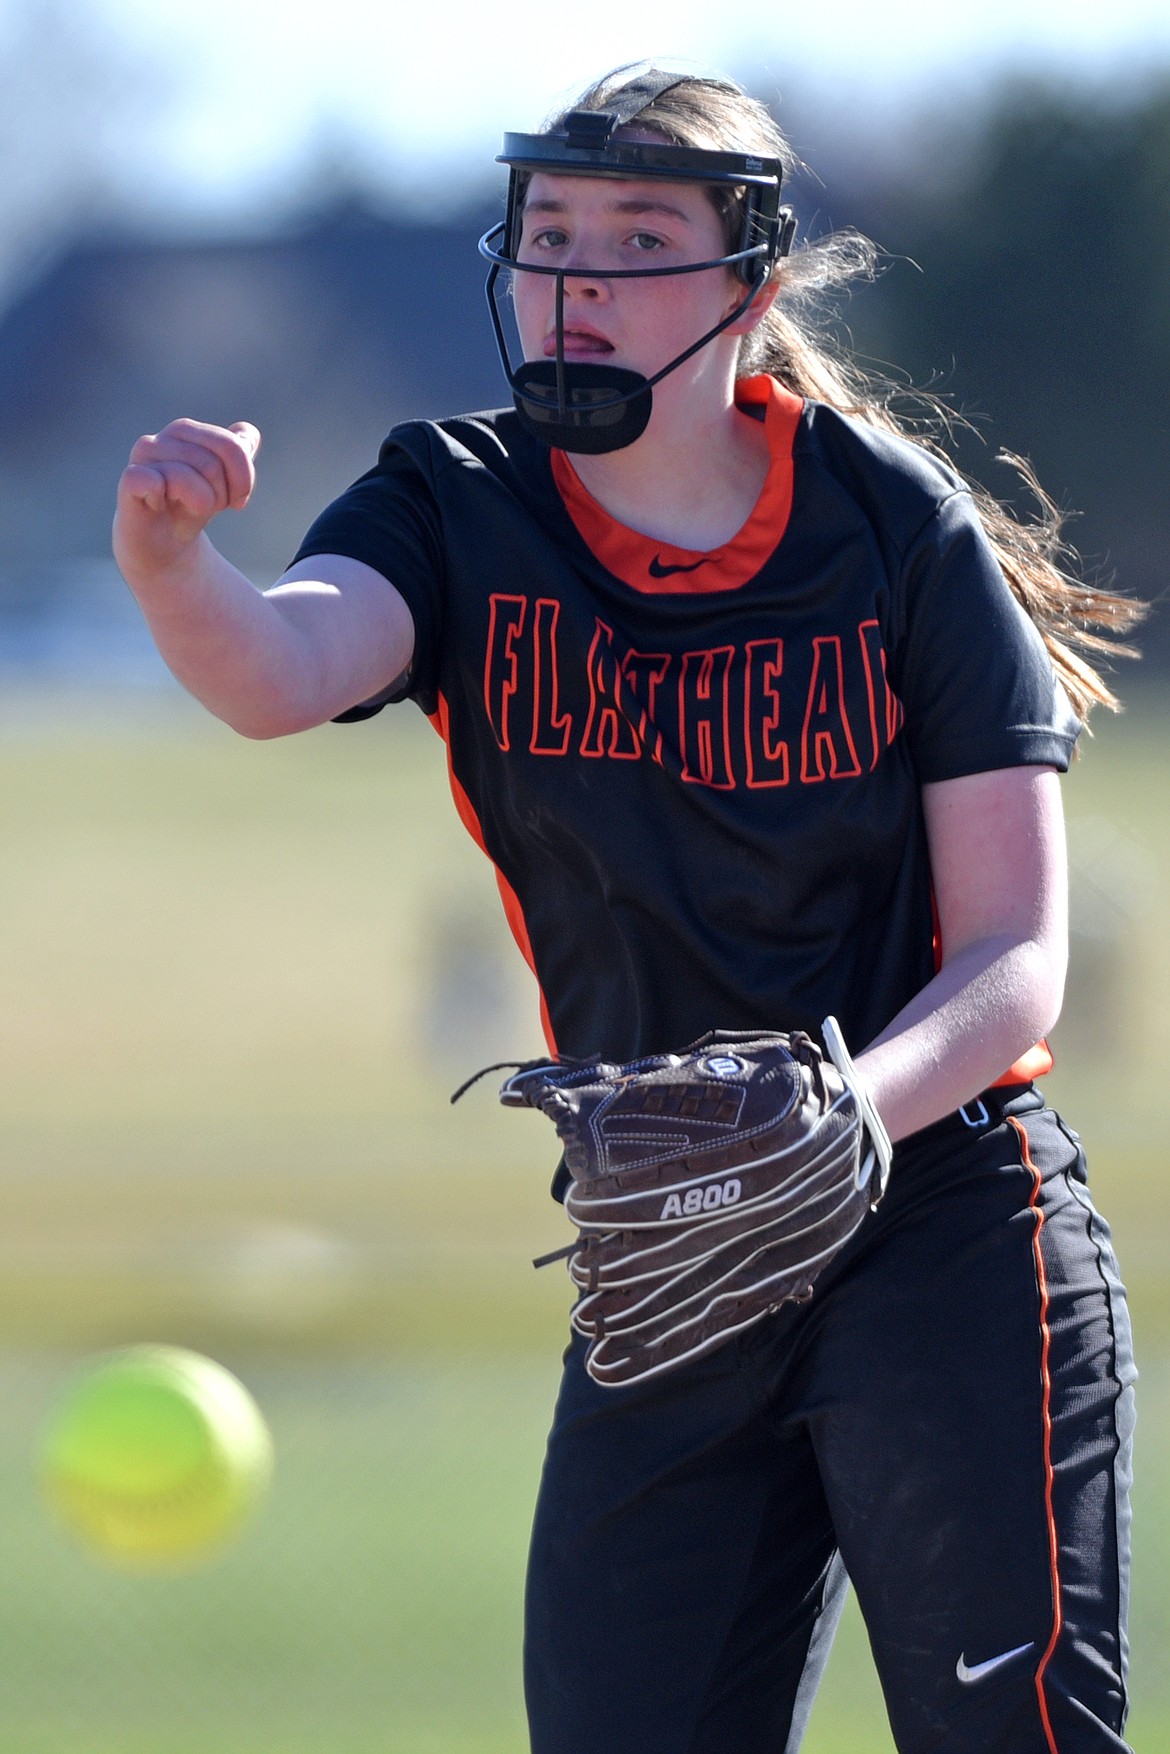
(579, 344)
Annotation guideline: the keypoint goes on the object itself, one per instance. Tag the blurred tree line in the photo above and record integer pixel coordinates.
(1027, 283)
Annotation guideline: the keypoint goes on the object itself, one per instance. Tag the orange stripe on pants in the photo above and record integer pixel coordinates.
(1049, 1474)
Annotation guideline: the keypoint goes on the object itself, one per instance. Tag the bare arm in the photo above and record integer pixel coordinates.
(998, 858)
(332, 632)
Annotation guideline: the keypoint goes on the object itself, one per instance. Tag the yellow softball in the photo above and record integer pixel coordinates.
(156, 1458)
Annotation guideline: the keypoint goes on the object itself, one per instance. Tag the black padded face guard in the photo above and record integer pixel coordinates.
(595, 408)
(591, 408)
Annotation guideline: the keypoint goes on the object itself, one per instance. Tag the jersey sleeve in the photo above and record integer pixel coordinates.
(389, 519)
(971, 669)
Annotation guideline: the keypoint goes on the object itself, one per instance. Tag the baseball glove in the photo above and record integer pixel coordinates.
(708, 1187)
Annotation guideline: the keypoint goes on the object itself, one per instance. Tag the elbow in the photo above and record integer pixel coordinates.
(263, 708)
(1012, 990)
(268, 730)
(263, 733)
(255, 705)
(1042, 965)
(264, 722)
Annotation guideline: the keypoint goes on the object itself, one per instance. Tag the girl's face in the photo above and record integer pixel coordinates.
(601, 223)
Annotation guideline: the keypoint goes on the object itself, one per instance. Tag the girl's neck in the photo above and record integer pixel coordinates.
(691, 483)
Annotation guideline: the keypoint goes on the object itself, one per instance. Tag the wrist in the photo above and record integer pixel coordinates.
(173, 582)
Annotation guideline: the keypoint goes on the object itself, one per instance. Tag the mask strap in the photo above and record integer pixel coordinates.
(593, 128)
(562, 395)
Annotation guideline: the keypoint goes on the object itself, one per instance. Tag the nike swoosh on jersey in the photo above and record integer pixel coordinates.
(660, 570)
(977, 1671)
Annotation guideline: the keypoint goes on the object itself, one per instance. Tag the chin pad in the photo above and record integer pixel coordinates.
(605, 406)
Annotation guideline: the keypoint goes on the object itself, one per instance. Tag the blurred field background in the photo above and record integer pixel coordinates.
(240, 982)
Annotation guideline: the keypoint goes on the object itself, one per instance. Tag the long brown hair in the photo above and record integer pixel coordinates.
(1078, 621)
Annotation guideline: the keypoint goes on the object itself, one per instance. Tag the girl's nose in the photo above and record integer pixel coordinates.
(587, 285)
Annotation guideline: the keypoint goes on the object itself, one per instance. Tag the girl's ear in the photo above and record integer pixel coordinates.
(758, 309)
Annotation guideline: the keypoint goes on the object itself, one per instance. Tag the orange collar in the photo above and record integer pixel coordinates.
(658, 567)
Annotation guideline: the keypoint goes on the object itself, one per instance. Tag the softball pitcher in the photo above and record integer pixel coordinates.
(758, 710)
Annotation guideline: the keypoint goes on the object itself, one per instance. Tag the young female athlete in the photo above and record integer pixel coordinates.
(758, 712)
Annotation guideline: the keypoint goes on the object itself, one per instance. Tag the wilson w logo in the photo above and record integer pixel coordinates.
(708, 1199)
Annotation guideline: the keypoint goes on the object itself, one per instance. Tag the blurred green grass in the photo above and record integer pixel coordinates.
(237, 983)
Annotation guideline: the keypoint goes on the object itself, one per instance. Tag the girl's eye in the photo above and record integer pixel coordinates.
(646, 240)
(552, 238)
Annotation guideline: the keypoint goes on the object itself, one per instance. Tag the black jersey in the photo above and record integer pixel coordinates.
(698, 774)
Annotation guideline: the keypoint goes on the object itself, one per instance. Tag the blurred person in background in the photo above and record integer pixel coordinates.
(758, 709)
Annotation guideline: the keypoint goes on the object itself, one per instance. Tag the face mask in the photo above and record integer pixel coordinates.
(596, 408)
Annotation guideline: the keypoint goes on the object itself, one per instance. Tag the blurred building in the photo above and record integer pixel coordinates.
(324, 338)
(327, 334)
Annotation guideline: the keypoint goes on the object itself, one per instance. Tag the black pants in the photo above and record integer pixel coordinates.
(948, 1421)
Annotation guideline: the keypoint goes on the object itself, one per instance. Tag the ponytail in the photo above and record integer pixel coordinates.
(1079, 622)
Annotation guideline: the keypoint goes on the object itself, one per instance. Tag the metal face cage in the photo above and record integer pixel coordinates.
(596, 408)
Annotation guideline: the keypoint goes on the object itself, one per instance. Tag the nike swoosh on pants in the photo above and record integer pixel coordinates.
(977, 1671)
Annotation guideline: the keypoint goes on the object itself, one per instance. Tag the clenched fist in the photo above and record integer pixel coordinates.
(174, 484)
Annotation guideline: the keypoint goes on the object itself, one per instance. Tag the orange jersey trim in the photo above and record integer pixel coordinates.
(1046, 1405)
(659, 568)
(513, 911)
(1034, 1064)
